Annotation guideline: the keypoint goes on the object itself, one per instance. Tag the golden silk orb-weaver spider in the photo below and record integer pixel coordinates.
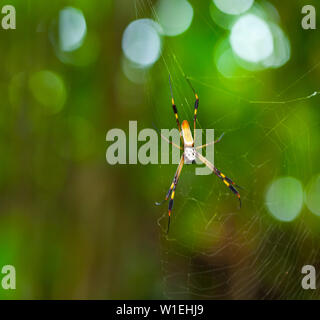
(190, 154)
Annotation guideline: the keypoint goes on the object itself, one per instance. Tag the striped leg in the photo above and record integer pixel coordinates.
(174, 181)
(227, 181)
(196, 105)
(173, 193)
(175, 111)
(174, 107)
(172, 189)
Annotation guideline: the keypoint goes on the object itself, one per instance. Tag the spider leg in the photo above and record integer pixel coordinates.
(196, 105)
(170, 142)
(227, 181)
(172, 195)
(174, 107)
(171, 191)
(174, 181)
(166, 139)
(210, 143)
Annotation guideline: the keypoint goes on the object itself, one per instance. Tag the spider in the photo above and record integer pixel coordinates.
(190, 153)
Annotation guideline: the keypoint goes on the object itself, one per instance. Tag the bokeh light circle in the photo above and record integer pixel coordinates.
(225, 61)
(175, 16)
(141, 42)
(284, 198)
(226, 64)
(85, 55)
(282, 49)
(49, 90)
(223, 20)
(312, 195)
(251, 38)
(133, 72)
(72, 29)
(233, 6)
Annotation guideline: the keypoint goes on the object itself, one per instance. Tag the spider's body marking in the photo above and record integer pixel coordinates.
(186, 134)
(190, 154)
(189, 150)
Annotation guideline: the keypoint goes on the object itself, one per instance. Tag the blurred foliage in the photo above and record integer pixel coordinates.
(76, 227)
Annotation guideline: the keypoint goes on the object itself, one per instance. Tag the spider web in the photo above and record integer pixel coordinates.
(214, 250)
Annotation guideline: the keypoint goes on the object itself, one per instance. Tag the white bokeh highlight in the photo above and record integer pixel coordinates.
(282, 49)
(284, 198)
(233, 6)
(72, 29)
(251, 39)
(141, 42)
(312, 195)
(175, 16)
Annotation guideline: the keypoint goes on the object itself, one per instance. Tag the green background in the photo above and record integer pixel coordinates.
(76, 227)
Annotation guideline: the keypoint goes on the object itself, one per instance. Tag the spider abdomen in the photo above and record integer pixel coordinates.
(189, 155)
(186, 134)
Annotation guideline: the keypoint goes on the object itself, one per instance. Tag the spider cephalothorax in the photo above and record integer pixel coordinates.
(190, 154)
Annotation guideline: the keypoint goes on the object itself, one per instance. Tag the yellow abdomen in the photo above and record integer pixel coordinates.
(186, 134)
